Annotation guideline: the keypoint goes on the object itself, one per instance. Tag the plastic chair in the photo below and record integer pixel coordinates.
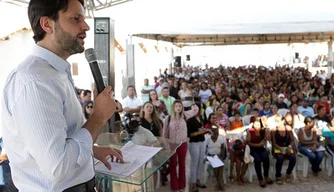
(208, 171)
(329, 167)
(283, 112)
(246, 119)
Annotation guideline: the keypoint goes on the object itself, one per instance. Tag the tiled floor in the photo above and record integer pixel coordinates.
(322, 183)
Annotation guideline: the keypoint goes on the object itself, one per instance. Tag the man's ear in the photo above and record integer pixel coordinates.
(46, 24)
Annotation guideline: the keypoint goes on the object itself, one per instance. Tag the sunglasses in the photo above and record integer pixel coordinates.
(90, 106)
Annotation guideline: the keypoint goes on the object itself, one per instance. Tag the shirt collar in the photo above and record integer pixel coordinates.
(54, 60)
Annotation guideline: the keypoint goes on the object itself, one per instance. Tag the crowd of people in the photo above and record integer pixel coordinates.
(287, 108)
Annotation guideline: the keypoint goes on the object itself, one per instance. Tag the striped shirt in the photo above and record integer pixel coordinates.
(42, 126)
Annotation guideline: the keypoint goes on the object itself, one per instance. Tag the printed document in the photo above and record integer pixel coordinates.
(215, 161)
(134, 157)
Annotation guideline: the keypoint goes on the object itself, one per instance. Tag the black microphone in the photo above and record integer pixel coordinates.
(94, 67)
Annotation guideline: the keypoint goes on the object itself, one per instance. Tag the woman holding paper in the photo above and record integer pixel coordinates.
(175, 130)
(284, 148)
(309, 145)
(215, 144)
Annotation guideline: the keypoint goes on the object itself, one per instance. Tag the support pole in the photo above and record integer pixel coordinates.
(330, 59)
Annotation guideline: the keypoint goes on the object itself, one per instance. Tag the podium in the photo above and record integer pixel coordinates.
(143, 176)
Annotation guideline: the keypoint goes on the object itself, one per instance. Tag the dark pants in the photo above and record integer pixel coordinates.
(314, 157)
(261, 156)
(88, 186)
(279, 163)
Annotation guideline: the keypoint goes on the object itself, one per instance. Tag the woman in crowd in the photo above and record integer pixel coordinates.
(237, 122)
(196, 133)
(175, 130)
(222, 118)
(248, 109)
(266, 111)
(215, 144)
(259, 102)
(184, 92)
(256, 139)
(272, 119)
(205, 93)
(89, 109)
(150, 119)
(153, 97)
(297, 118)
(309, 145)
(284, 148)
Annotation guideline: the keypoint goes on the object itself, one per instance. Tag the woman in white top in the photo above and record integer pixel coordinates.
(309, 145)
(298, 118)
(216, 146)
(185, 92)
(204, 93)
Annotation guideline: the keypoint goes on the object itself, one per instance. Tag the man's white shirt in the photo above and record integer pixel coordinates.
(42, 126)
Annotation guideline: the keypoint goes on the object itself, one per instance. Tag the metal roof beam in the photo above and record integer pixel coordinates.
(188, 40)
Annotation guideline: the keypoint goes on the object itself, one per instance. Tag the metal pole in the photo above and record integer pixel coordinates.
(330, 58)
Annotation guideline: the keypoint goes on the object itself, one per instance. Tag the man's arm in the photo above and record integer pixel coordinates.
(38, 114)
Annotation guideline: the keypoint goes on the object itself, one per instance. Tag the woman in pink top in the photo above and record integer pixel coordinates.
(175, 130)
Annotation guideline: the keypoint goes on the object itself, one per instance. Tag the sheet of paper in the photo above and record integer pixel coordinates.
(321, 148)
(215, 161)
(134, 157)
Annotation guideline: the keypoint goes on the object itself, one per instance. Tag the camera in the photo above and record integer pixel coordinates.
(131, 125)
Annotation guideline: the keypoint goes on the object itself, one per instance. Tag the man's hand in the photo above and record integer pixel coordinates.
(104, 104)
(3, 157)
(102, 154)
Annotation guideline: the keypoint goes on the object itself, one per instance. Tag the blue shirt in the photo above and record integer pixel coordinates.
(42, 125)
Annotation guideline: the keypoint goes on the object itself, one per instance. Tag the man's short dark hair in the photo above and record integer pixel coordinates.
(86, 92)
(41, 8)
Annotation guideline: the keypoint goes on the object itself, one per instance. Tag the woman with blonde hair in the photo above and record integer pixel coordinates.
(184, 92)
(175, 130)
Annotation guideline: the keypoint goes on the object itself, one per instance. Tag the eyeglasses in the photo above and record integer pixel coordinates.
(90, 106)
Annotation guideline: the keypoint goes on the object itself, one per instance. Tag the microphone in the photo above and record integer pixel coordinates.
(94, 67)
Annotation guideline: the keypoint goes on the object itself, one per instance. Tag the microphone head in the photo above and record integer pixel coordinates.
(90, 55)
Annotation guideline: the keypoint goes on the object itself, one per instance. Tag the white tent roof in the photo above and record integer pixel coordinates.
(222, 17)
(174, 17)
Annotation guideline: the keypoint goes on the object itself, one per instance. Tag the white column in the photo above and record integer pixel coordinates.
(330, 59)
(171, 56)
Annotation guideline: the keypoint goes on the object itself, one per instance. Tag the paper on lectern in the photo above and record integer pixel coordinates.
(134, 157)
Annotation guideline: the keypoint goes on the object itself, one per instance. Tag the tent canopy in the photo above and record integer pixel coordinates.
(186, 22)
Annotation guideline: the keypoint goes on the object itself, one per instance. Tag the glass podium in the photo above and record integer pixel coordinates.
(143, 176)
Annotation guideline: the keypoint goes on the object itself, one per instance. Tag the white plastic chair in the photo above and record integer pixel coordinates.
(246, 119)
(329, 167)
(304, 159)
(283, 112)
(207, 173)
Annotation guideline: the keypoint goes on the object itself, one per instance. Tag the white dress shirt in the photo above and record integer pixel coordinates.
(42, 126)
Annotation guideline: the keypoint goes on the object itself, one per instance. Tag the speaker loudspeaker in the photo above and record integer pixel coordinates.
(188, 58)
(177, 61)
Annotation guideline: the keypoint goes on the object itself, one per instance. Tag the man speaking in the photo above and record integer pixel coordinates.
(49, 146)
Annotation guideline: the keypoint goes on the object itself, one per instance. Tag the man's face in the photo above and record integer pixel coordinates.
(131, 91)
(88, 97)
(70, 29)
(165, 92)
(145, 81)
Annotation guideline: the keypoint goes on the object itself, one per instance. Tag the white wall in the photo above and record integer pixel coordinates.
(14, 50)
(147, 65)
